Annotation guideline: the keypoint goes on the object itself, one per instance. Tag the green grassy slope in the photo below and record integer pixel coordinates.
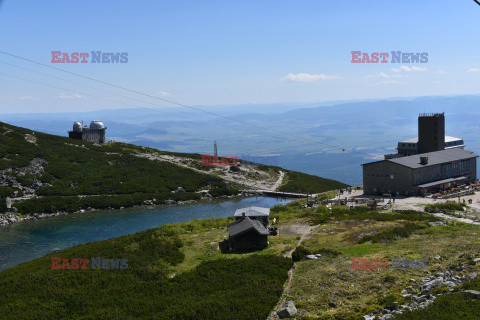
(226, 288)
(75, 174)
(177, 272)
(306, 183)
(83, 168)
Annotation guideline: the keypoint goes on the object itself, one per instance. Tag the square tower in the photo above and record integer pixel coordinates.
(431, 132)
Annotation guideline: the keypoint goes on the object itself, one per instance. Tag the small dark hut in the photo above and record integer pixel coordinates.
(246, 234)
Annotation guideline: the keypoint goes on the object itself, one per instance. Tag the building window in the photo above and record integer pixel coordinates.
(462, 167)
(455, 168)
(467, 166)
(449, 171)
(444, 171)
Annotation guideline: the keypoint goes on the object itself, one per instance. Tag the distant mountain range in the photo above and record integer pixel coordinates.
(370, 127)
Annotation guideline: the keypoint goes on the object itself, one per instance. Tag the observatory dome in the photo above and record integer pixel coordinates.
(97, 124)
(77, 126)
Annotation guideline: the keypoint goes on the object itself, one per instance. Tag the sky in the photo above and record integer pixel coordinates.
(235, 52)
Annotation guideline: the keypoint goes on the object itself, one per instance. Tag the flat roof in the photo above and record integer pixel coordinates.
(434, 158)
(436, 183)
(252, 212)
(415, 139)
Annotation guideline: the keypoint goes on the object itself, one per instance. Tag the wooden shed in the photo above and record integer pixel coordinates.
(247, 234)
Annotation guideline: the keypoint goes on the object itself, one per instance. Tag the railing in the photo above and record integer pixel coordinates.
(431, 114)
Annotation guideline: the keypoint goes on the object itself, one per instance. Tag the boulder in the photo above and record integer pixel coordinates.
(9, 202)
(436, 224)
(287, 311)
(476, 293)
(407, 297)
(180, 190)
(410, 289)
(432, 284)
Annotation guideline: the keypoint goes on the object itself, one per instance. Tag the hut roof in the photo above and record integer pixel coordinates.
(252, 212)
(241, 226)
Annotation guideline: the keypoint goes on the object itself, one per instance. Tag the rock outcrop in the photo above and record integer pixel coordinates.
(287, 311)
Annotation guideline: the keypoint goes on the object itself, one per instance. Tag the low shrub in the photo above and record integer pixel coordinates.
(392, 234)
(322, 215)
(3, 205)
(236, 288)
(71, 204)
(306, 183)
(449, 206)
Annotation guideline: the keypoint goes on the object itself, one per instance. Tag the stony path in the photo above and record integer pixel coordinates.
(304, 230)
(279, 181)
(262, 182)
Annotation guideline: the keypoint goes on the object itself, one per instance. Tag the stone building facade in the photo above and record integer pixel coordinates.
(421, 173)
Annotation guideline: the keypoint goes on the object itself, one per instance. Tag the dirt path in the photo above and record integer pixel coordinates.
(279, 181)
(262, 180)
(304, 230)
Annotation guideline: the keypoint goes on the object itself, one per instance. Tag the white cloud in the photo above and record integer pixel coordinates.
(441, 72)
(305, 77)
(66, 96)
(390, 82)
(30, 98)
(162, 94)
(378, 75)
(399, 76)
(436, 82)
(385, 83)
(473, 70)
(408, 69)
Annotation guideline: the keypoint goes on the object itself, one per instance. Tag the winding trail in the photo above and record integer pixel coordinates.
(279, 181)
(304, 230)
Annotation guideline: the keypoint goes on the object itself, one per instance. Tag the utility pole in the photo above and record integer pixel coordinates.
(215, 148)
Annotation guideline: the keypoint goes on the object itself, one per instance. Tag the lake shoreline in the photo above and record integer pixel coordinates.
(22, 242)
(9, 218)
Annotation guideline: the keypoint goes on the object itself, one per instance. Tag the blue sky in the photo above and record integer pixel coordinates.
(236, 52)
